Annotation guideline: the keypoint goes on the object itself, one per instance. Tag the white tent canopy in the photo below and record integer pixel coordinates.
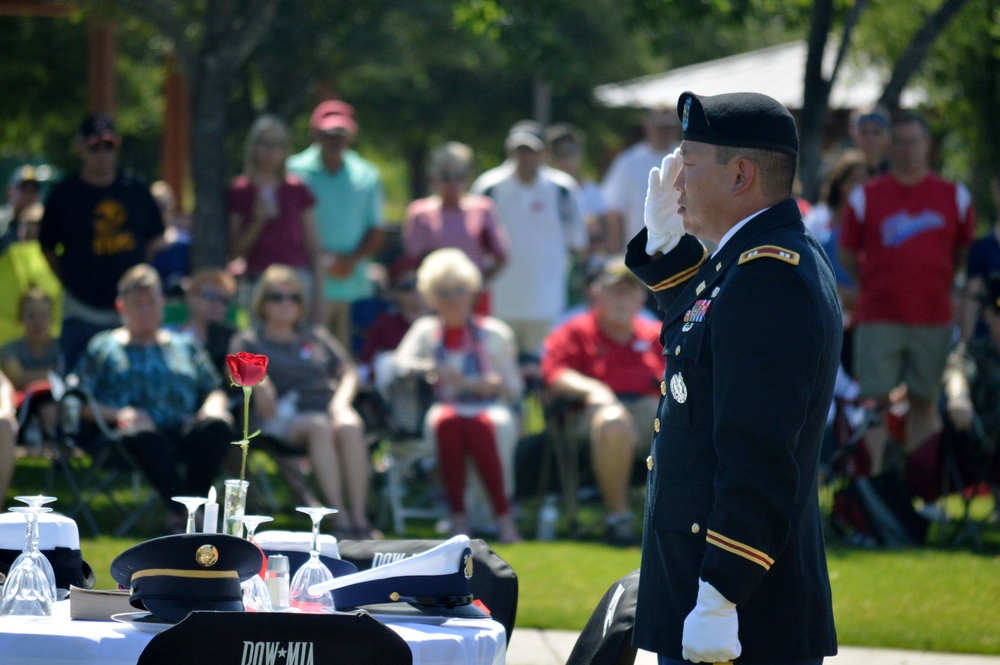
(777, 71)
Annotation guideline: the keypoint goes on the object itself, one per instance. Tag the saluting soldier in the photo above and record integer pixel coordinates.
(733, 561)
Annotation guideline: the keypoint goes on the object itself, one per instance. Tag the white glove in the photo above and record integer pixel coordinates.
(664, 227)
(711, 630)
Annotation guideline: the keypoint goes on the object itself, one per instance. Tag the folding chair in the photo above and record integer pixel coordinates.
(408, 491)
(493, 582)
(109, 463)
(607, 637)
(560, 447)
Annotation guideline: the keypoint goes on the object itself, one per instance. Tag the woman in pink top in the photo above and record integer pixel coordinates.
(272, 214)
(453, 218)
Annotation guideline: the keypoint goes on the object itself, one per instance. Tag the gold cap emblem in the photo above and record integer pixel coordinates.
(206, 556)
(394, 596)
(467, 564)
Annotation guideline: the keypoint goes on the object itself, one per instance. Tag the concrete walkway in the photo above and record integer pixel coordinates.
(552, 647)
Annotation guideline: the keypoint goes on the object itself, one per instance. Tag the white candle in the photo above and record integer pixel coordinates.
(211, 521)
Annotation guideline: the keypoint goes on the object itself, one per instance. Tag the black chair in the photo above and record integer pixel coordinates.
(233, 638)
(493, 582)
(95, 463)
(607, 637)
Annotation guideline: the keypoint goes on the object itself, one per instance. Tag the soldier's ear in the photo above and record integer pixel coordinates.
(744, 174)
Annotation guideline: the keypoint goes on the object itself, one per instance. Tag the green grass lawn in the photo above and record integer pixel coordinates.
(935, 598)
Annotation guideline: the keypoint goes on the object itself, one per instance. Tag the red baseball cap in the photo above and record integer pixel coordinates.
(332, 116)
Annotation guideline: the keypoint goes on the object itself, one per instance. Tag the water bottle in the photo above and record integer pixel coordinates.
(69, 416)
(547, 518)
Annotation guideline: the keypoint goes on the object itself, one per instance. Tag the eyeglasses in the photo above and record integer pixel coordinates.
(452, 176)
(282, 297)
(215, 297)
(455, 292)
(101, 145)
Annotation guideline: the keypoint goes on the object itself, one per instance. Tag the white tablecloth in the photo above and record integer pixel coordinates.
(58, 640)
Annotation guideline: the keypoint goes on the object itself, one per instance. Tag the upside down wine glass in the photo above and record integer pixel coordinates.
(192, 503)
(313, 571)
(37, 501)
(30, 588)
(255, 595)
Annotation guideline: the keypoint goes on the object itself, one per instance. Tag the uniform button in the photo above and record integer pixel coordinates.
(695, 528)
(677, 351)
(663, 387)
(649, 462)
(656, 425)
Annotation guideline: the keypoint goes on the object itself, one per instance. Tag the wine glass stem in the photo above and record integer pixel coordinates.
(314, 551)
(29, 534)
(190, 523)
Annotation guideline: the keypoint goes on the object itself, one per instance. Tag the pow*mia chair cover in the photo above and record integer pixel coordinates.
(58, 540)
(493, 583)
(607, 637)
(221, 638)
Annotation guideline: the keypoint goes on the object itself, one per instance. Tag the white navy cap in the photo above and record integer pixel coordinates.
(58, 540)
(434, 582)
(296, 545)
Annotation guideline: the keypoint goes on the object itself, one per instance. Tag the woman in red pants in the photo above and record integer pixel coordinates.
(472, 362)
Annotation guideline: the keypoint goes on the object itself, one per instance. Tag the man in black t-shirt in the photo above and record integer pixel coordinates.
(98, 223)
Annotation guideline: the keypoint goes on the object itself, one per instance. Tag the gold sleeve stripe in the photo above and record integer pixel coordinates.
(739, 549)
(680, 277)
(180, 572)
(772, 251)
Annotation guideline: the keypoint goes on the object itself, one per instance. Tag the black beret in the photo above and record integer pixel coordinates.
(738, 119)
(173, 576)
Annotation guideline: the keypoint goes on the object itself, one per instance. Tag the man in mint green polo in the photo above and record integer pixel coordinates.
(348, 191)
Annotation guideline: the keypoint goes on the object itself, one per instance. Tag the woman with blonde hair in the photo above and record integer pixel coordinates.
(471, 361)
(308, 398)
(272, 213)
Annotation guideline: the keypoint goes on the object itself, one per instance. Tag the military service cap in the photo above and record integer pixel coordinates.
(434, 582)
(738, 119)
(173, 576)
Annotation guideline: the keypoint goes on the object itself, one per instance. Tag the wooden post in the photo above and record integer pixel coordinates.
(176, 132)
(102, 52)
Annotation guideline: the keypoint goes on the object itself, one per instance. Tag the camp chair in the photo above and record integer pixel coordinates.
(95, 463)
(607, 637)
(493, 582)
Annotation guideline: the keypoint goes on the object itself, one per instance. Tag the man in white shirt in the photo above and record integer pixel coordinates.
(538, 207)
(624, 184)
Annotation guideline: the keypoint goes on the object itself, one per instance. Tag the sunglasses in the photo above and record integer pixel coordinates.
(282, 297)
(456, 292)
(215, 297)
(101, 145)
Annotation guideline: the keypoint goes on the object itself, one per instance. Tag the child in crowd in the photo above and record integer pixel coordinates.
(28, 360)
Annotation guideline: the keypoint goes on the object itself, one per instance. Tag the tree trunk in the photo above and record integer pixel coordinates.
(815, 97)
(917, 50)
(209, 242)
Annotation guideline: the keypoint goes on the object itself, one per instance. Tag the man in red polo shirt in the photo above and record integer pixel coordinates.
(904, 237)
(611, 359)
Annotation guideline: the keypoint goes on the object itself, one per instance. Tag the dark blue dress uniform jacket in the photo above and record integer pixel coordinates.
(752, 342)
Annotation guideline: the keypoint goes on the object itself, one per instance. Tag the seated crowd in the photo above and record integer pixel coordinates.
(459, 306)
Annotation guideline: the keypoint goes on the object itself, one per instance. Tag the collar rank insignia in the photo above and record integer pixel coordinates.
(770, 251)
(698, 311)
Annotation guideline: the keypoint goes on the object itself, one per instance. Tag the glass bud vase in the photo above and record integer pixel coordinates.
(234, 507)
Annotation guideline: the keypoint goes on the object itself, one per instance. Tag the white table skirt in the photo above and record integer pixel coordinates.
(58, 640)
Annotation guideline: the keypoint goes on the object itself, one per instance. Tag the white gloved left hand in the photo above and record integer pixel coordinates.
(711, 629)
(664, 226)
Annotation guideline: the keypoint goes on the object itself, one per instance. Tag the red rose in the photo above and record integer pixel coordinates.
(247, 369)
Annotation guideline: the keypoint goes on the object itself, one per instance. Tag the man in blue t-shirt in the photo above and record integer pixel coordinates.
(98, 223)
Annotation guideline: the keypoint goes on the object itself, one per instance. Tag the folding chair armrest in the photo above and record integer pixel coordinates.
(90, 401)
